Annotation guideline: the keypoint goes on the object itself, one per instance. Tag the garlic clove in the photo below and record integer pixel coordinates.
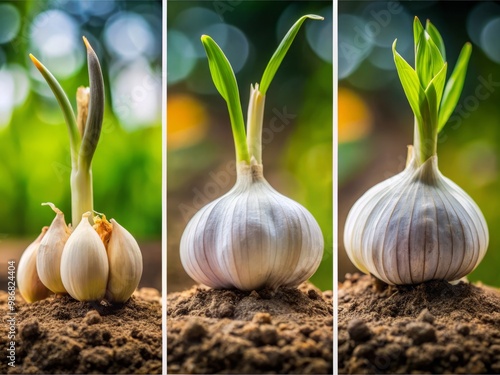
(29, 284)
(48, 260)
(84, 263)
(415, 227)
(125, 264)
(252, 237)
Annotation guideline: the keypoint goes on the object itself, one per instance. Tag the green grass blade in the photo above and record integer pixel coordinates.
(428, 61)
(454, 86)
(410, 82)
(281, 51)
(95, 115)
(225, 82)
(436, 38)
(65, 105)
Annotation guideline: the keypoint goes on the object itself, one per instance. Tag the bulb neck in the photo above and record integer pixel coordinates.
(424, 142)
(255, 118)
(250, 173)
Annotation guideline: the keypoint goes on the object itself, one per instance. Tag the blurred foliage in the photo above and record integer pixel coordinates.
(297, 158)
(468, 146)
(34, 143)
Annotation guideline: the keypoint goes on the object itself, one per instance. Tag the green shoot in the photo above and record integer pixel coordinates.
(279, 54)
(225, 82)
(431, 100)
(83, 140)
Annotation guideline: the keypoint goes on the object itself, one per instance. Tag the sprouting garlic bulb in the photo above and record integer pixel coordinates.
(125, 264)
(84, 263)
(48, 260)
(28, 282)
(416, 226)
(252, 237)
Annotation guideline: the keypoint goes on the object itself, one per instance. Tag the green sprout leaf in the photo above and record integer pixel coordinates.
(410, 82)
(66, 108)
(225, 82)
(454, 86)
(431, 100)
(95, 115)
(281, 51)
(436, 38)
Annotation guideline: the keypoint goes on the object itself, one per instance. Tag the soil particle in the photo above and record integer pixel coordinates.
(230, 331)
(61, 335)
(433, 327)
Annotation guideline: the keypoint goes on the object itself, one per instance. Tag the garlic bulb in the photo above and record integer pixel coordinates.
(252, 237)
(416, 226)
(84, 263)
(48, 260)
(419, 225)
(28, 282)
(125, 264)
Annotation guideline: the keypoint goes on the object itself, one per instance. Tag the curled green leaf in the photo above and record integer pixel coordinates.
(281, 51)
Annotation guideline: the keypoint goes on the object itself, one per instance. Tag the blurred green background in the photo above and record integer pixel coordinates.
(34, 142)
(200, 151)
(375, 119)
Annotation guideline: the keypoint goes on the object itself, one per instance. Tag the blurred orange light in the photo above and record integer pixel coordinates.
(354, 119)
(186, 121)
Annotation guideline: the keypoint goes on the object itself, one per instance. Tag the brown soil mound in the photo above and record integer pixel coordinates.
(433, 327)
(61, 335)
(230, 331)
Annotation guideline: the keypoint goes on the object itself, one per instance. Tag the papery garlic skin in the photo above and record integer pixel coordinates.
(29, 284)
(125, 264)
(48, 261)
(252, 237)
(84, 263)
(415, 227)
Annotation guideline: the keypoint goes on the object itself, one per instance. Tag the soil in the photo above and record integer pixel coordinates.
(433, 327)
(229, 331)
(62, 335)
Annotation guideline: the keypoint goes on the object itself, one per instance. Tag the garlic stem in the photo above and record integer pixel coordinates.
(84, 135)
(254, 122)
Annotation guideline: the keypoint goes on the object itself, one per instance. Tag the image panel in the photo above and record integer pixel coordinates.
(80, 187)
(419, 146)
(249, 187)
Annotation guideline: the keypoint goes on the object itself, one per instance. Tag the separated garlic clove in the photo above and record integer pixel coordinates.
(28, 282)
(125, 264)
(48, 260)
(251, 238)
(84, 263)
(416, 226)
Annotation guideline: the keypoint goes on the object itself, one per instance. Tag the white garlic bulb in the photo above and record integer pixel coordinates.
(252, 237)
(84, 263)
(416, 226)
(29, 284)
(125, 264)
(48, 260)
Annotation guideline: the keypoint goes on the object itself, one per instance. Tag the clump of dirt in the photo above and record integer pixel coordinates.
(230, 331)
(62, 335)
(433, 327)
